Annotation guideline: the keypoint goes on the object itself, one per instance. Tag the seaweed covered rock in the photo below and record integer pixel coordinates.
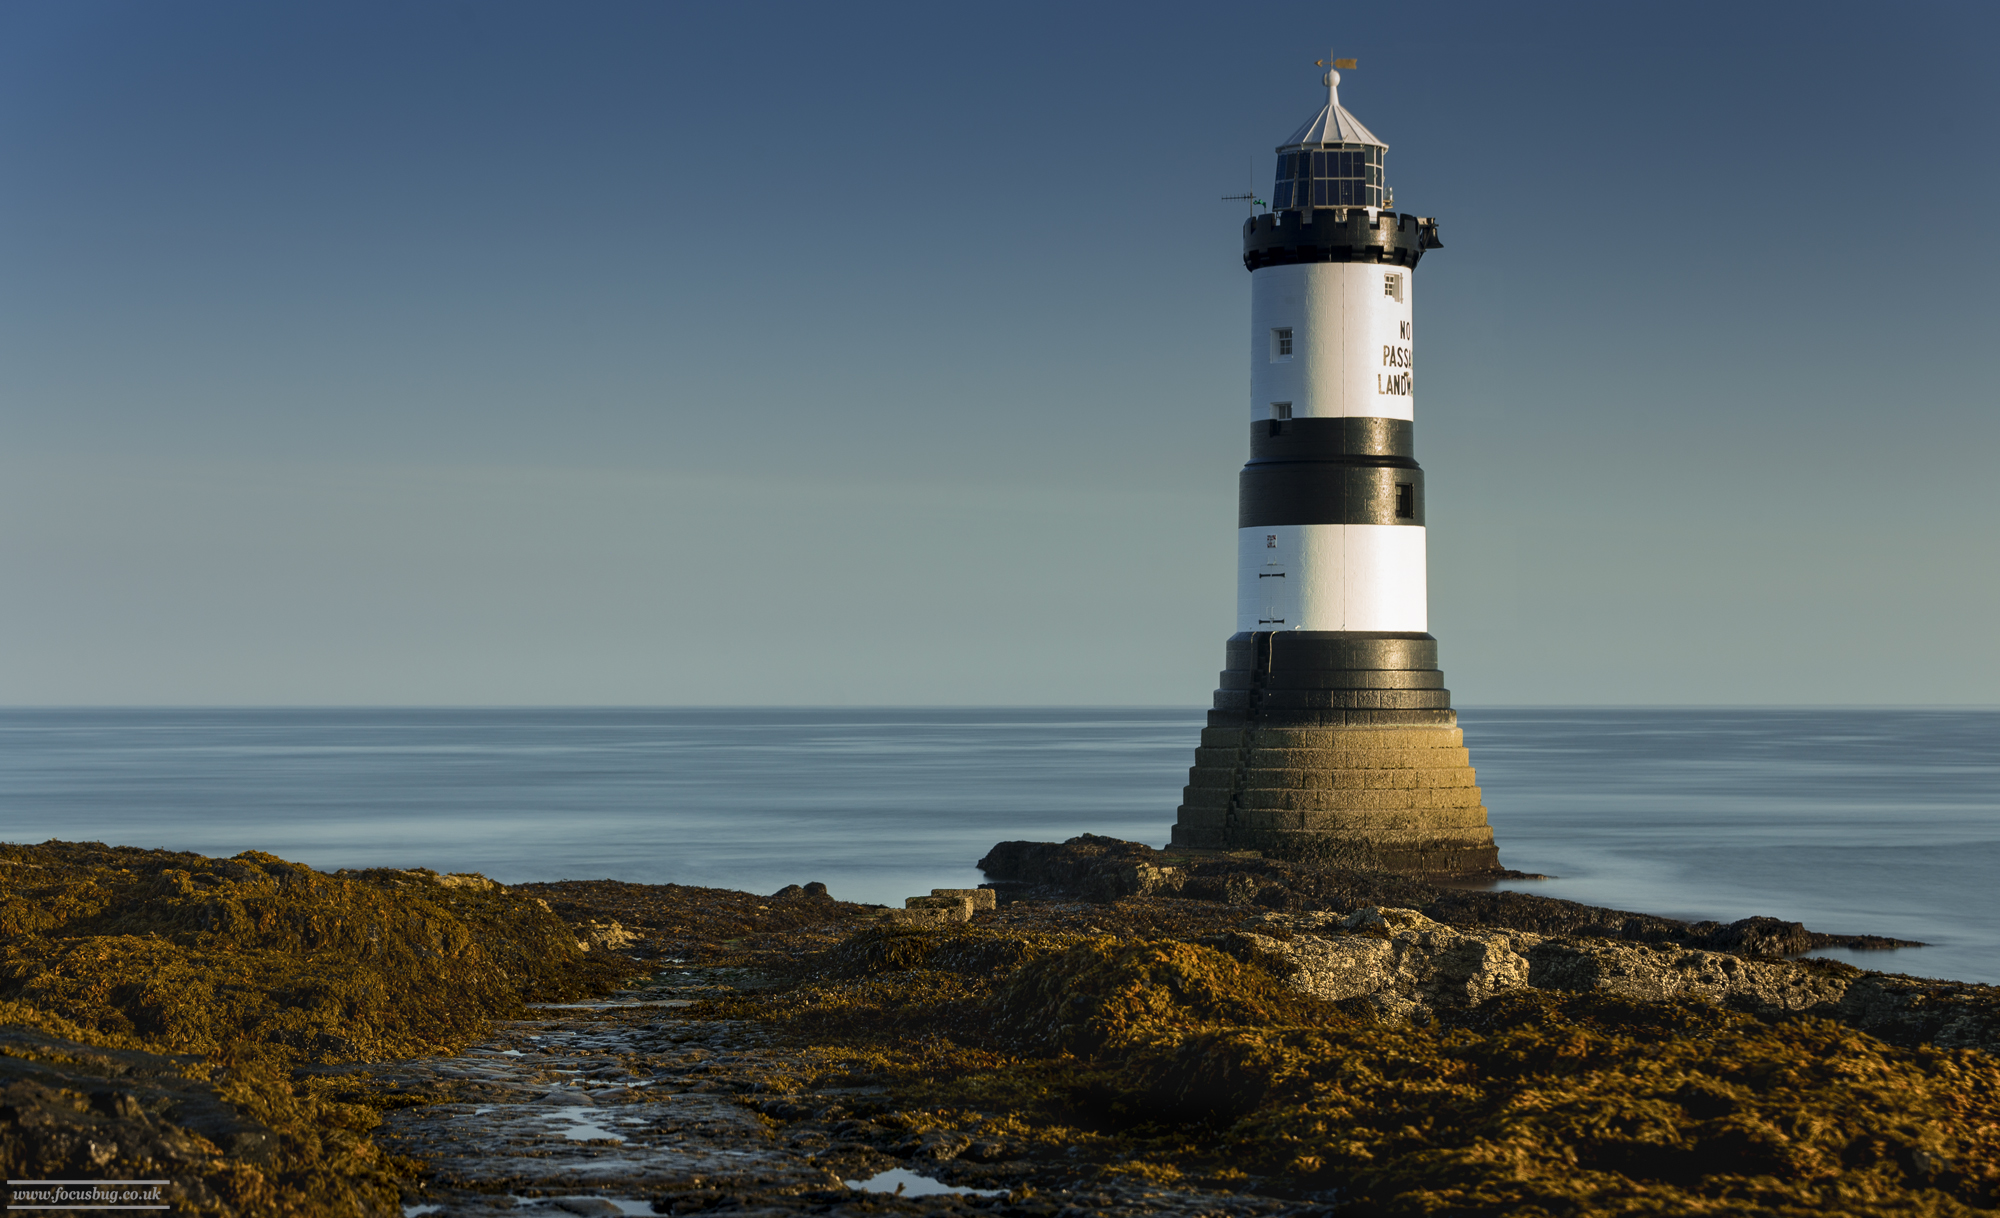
(254, 954)
(687, 923)
(228, 1141)
(154, 1005)
(78, 1106)
(1104, 993)
(954, 948)
(1274, 1060)
(1589, 1104)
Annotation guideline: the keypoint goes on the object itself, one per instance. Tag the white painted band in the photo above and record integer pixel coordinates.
(1351, 343)
(1331, 577)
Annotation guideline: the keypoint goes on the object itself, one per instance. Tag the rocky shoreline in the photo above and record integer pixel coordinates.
(1125, 1032)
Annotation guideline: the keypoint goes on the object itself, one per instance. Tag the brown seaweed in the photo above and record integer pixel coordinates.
(158, 1006)
(1170, 1061)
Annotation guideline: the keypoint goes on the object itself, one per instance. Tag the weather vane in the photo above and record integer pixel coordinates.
(1337, 65)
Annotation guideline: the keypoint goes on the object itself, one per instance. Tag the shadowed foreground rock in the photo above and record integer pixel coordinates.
(153, 1007)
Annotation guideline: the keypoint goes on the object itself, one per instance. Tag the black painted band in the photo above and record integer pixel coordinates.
(1343, 717)
(1284, 238)
(1329, 492)
(1319, 650)
(1329, 439)
(1331, 678)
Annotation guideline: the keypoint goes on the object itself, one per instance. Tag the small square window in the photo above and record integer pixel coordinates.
(1281, 343)
(1392, 286)
(1281, 410)
(1406, 501)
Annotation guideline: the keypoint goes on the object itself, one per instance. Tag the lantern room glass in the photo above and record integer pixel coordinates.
(1333, 175)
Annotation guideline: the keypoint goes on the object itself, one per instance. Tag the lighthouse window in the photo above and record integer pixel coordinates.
(1281, 411)
(1406, 501)
(1281, 343)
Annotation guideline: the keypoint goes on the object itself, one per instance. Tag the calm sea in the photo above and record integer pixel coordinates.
(1883, 822)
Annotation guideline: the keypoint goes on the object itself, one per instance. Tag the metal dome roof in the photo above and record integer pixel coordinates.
(1333, 124)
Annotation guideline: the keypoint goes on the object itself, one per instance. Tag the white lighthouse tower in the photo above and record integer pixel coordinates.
(1332, 734)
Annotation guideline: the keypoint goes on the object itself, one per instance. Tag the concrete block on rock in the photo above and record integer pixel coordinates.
(981, 898)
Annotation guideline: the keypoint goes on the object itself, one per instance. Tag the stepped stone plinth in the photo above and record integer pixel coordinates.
(1339, 747)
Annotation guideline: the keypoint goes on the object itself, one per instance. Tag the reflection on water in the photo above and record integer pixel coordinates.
(1882, 822)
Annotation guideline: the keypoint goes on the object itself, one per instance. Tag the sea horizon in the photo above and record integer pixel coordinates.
(1855, 819)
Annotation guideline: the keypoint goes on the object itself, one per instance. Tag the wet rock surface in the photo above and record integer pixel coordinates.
(614, 1098)
(634, 1105)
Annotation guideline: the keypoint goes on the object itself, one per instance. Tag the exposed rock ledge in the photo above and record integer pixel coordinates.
(1106, 869)
(1407, 967)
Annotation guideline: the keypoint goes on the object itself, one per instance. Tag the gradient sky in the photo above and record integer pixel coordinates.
(647, 353)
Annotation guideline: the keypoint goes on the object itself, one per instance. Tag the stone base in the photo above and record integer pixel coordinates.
(1337, 748)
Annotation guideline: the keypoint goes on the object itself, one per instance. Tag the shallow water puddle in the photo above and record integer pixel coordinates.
(609, 1104)
(609, 1006)
(585, 1125)
(905, 1183)
(629, 1101)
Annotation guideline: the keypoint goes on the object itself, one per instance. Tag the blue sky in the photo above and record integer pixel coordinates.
(498, 353)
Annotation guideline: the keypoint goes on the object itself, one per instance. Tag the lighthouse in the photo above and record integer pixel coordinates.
(1332, 736)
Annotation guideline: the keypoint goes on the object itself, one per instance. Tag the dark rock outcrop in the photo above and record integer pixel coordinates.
(1104, 869)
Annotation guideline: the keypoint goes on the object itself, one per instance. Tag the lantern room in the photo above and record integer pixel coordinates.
(1331, 161)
